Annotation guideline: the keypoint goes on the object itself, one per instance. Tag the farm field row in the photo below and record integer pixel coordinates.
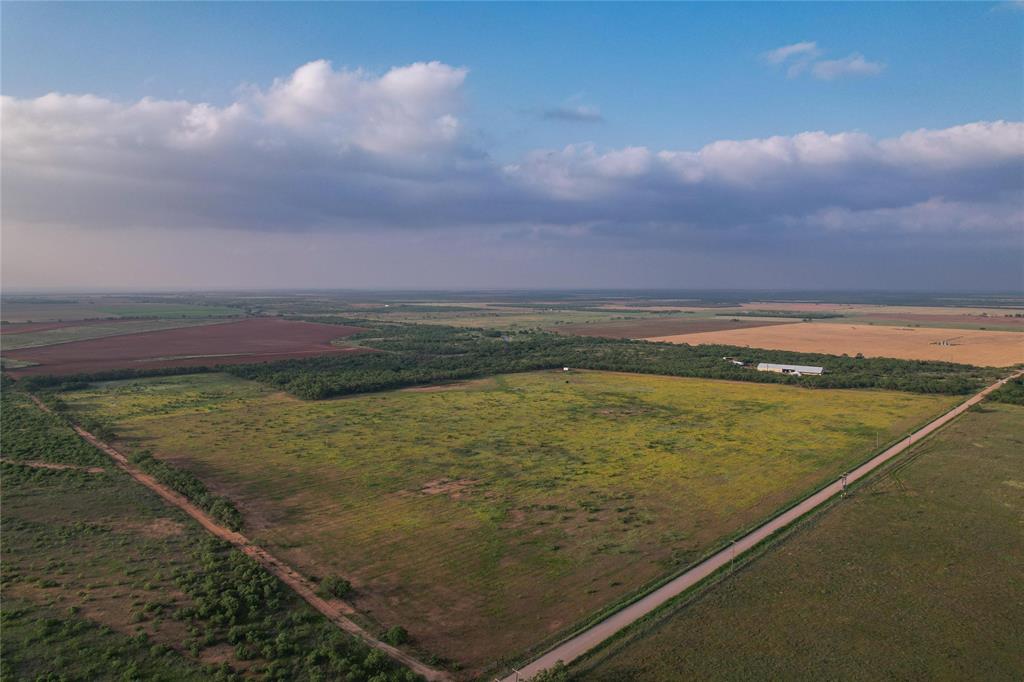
(535, 499)
(915, 576)
(663, 326)
(249, 340)
(880, 309)
(50, 309)
(946, 321)
(14, 337)
(967, 346)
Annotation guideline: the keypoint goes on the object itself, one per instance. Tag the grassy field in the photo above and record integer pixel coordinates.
(485, 516)
(916, 576)
(89, 308)
(103, 581)
(167, 310)
(503, 317)
(49, 337)
(578, 317)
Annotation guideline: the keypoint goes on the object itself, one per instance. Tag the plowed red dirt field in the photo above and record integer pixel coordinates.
(252, 340)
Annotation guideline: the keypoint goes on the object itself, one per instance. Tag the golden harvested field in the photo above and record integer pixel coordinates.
(969, 346)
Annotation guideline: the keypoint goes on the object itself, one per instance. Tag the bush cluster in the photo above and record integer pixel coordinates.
(31, 434)
(335, 587)
(236, 602)
(189, 485)
(1012, 393)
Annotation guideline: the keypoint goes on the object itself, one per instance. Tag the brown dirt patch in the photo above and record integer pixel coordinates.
(969, 346)
(452, 488)
(157, 529)
(645, 329)
(251, 340)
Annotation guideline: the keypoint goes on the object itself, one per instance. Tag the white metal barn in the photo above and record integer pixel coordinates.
(798, 370)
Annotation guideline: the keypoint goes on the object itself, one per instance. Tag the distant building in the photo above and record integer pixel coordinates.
(798, 370)
(734, 361)
(565, 369)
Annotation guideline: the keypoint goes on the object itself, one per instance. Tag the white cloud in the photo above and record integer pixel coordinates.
(346, 151)
(934, 216)
(852, 65)
(806, 49)
(803, 58)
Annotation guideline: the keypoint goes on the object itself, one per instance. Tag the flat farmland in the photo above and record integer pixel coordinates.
(33, 335)
(500, 318)
(916, 576)
(486, 516)
(969, 346)
(661, 326)
(90, 308)
(870, 308)
(1001, 322)
(251, 340)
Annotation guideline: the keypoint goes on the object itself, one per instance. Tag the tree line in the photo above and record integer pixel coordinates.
(415, 354)
(412, 354)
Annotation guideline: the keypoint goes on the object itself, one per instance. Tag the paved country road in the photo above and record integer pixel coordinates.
(334, 609)
(576, 646)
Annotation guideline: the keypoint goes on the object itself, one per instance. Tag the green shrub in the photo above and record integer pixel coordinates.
(335, 587)
(396, 636)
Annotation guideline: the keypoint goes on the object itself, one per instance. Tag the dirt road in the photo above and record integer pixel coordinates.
(583, 642)
(333, 609)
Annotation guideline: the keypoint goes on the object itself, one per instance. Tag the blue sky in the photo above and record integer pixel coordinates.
(666, 75)
(647, 85)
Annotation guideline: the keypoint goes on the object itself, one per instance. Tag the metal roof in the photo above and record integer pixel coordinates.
(803, 369)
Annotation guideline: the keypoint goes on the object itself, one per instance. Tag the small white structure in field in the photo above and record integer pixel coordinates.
(565, 369)
(797, 370)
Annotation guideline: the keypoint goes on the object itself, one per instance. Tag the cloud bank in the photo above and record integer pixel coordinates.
(346, 151)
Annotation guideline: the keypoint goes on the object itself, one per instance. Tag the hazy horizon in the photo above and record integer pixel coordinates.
(435, 147)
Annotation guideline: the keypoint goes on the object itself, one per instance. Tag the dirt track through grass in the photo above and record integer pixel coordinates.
(583, 642)
(488, 516)
(335, 610)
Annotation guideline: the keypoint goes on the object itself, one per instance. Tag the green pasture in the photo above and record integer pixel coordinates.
(487, 516)
(91, 308)
(168, 310)
(503, 318)
(915, 576)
